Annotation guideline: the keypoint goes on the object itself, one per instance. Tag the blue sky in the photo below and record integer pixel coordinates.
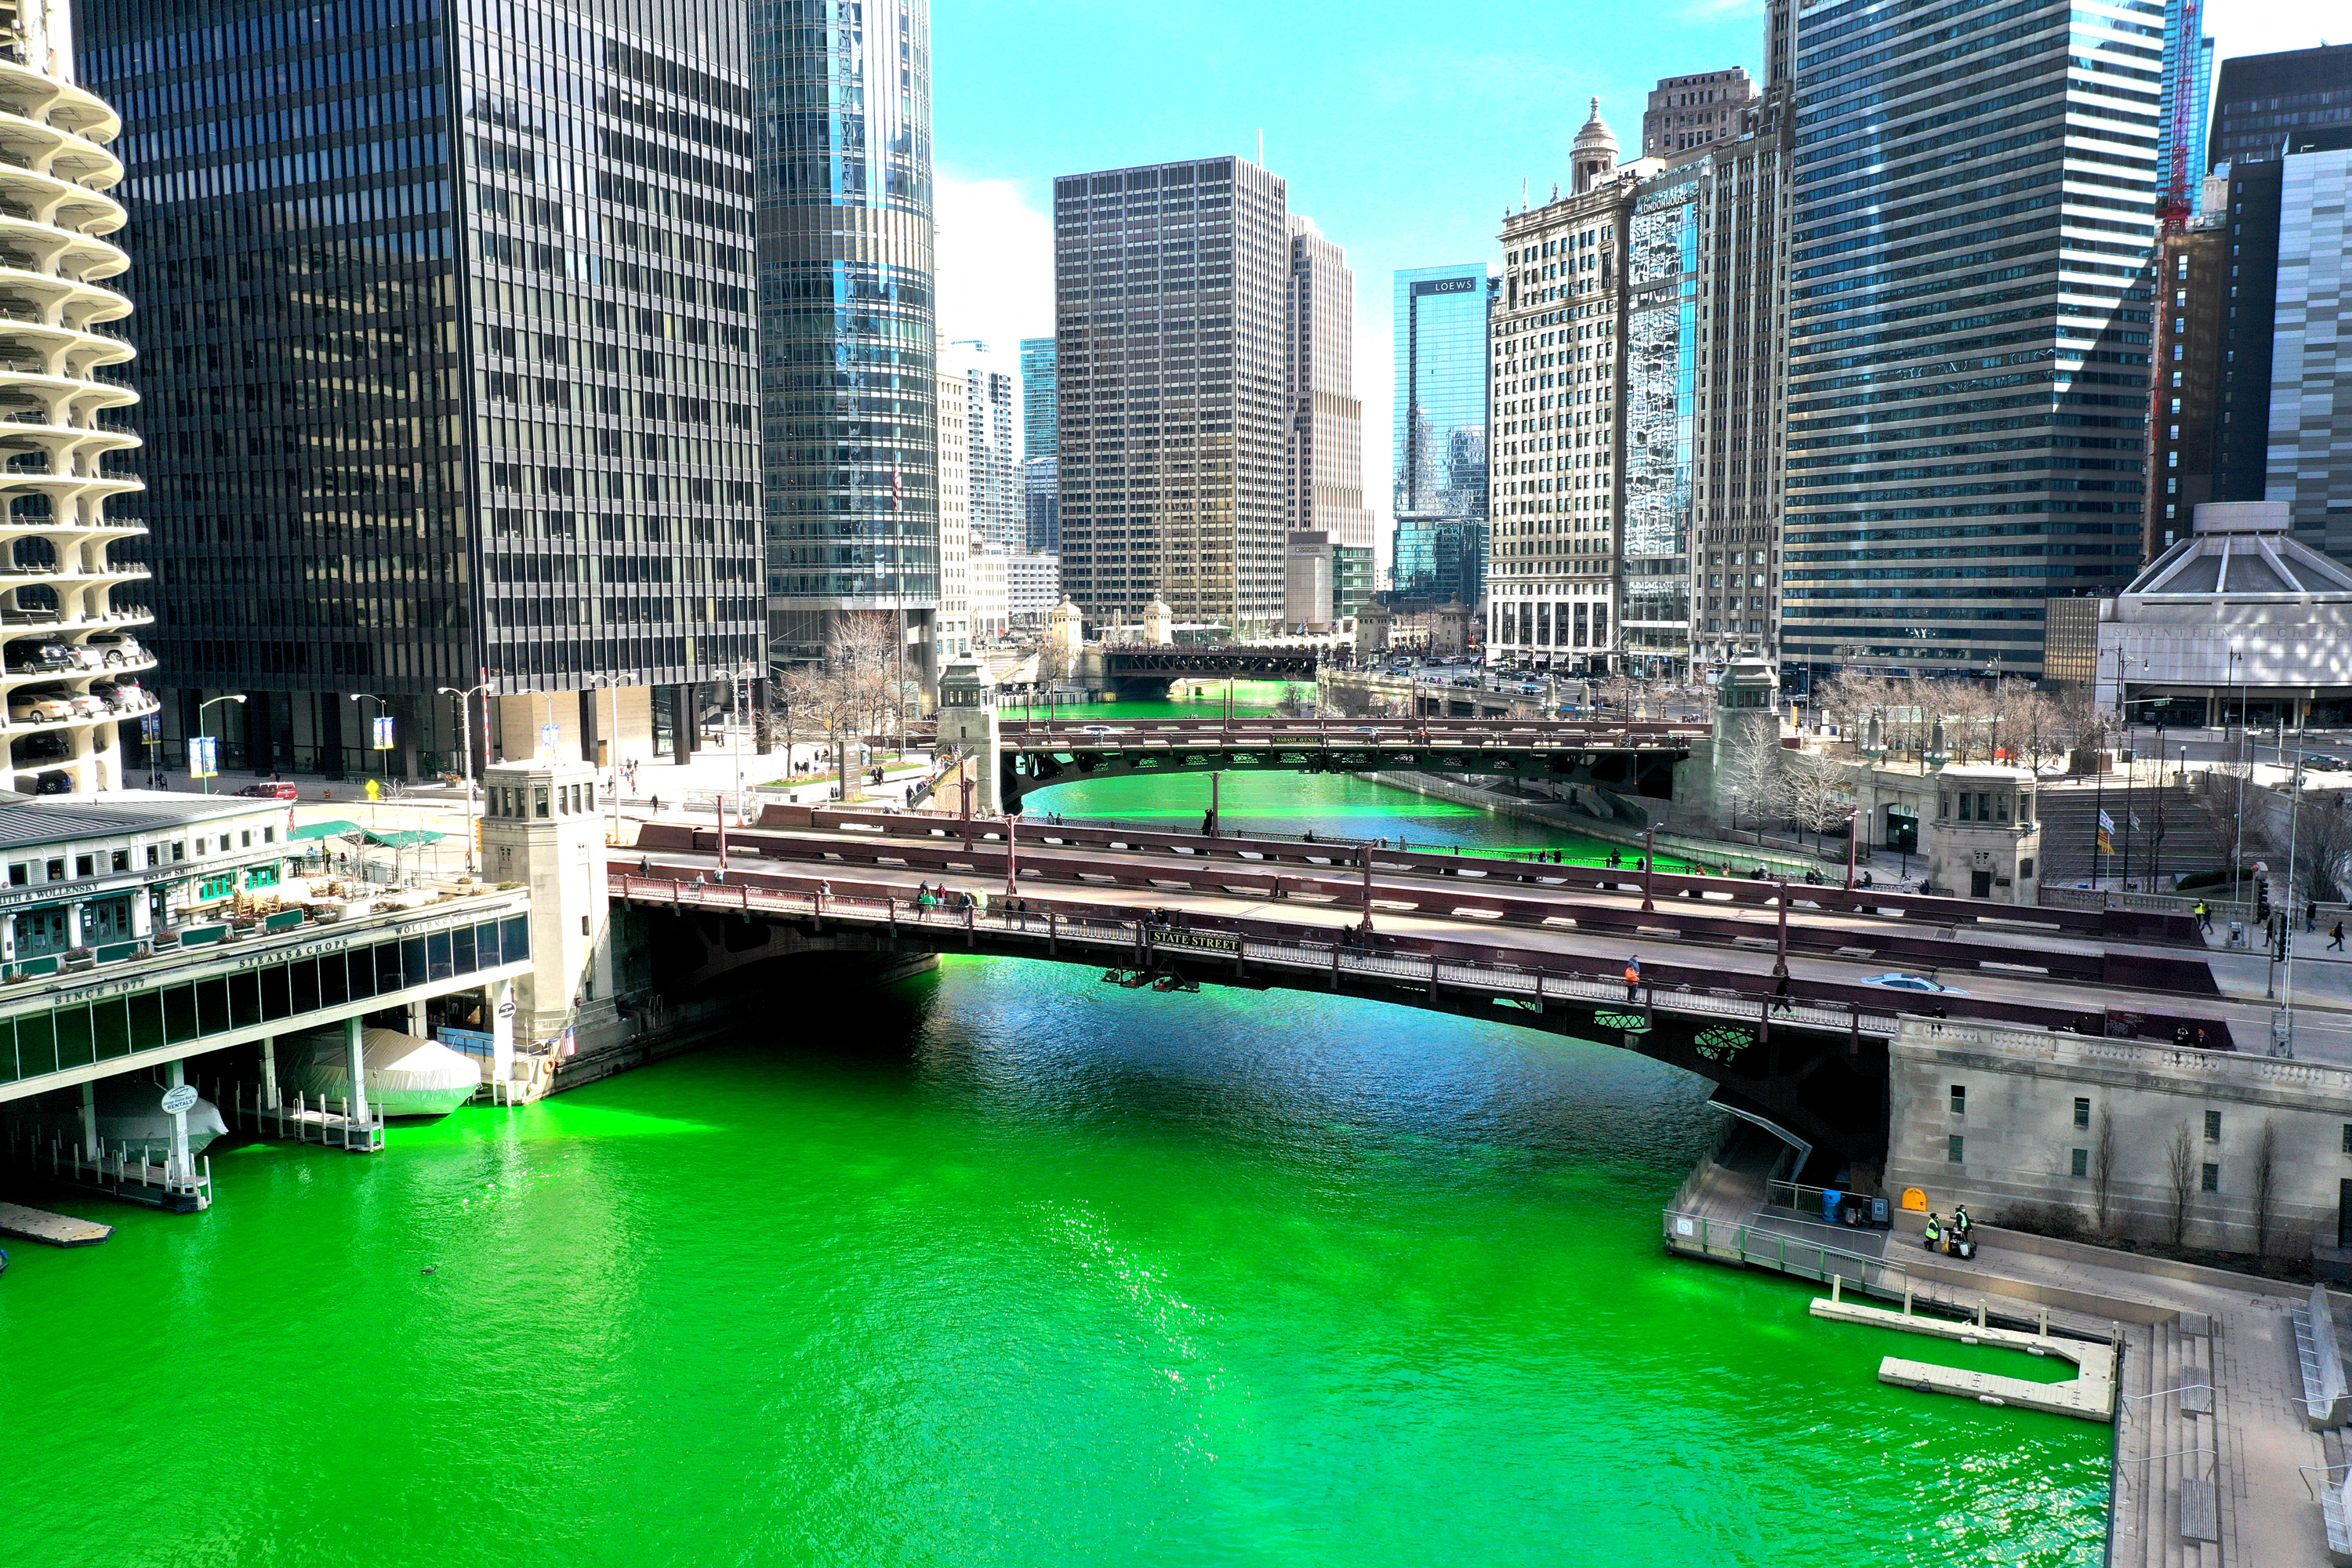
(1403, 130)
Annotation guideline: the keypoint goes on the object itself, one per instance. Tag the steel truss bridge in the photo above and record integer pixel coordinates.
(1635, 760)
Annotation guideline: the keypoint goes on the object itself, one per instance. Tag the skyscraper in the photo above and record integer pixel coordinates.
(1327, 418)
(72, 660)
(2186, 87)
(846, 321)
(999, 501)
(451, 374)
(1038, 407)
(2268, 105)
(1562, 373)
(1172, 287)
(1968, 292)
(2311, 376)
(1439, 435)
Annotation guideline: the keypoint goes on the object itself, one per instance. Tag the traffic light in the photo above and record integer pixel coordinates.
(2263, 900)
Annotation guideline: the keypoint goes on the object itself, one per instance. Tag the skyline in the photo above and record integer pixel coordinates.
(1383, 138)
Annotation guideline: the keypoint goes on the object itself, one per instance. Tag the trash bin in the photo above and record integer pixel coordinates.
(1829, 1200)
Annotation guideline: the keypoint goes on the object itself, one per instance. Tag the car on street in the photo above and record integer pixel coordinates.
(266, 791)
(2326, 765)
(1898, 981)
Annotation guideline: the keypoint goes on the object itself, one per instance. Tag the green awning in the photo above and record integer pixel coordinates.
(324, 830)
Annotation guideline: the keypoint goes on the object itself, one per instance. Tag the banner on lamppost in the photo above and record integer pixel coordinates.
(383, 728)
(203, 757)
(548, 735)
(2106, 833)
(151, 728)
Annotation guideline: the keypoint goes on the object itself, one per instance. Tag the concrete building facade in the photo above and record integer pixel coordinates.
(954, 631)
(1688, 111)
(1559, 405)
(72, 658)
(2234, 1151)
(1171, 304)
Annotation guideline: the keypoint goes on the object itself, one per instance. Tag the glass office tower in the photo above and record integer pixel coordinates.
(1972, 221)
(846, 321)
(449, 376)
(1439, 471)
(1040, 421)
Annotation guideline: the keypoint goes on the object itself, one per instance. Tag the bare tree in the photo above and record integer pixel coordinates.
(1750, 766)
(1618, 692)
(2180, 1178)
(2265, 1186)
(2103, 1156)
(1816, 793)
(2323, 849)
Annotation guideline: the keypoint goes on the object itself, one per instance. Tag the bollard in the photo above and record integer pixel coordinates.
(1907, 1297)
(1837, 1283)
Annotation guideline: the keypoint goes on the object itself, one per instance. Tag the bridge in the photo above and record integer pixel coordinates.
(1632, 760)
(1522, 940)
(1145, 674)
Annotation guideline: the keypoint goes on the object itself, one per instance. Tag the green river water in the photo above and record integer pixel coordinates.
(1004, 1266)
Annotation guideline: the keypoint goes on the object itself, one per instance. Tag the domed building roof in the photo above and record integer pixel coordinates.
(1596, 136)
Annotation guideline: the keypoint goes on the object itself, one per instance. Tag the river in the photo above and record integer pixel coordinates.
(1004, 1266)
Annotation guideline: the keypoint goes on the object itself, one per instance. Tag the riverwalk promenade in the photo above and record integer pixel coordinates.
(2214, 1462)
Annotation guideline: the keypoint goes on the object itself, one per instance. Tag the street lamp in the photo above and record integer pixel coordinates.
(613, 746)
(465, 744)
(199, 724)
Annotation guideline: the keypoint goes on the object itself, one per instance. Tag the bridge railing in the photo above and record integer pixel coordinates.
(1125, 940)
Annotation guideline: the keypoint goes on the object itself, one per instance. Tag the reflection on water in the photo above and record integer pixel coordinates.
(1004, 1266)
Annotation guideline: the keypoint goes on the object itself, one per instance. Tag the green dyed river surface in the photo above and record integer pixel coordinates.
(1004, 1266)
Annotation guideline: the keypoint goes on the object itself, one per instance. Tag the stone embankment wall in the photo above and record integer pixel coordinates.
(2219, 1148)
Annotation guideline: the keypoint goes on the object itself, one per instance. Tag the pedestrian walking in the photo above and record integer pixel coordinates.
(2204, 914)
(1632, 980)
(2336, 938)
(2310, 916)
(1780, 995)
(645, 865)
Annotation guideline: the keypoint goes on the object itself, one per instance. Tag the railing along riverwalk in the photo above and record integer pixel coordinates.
(1755, 1244)
(1132, 940)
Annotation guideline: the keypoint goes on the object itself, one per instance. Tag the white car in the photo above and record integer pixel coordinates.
(1901, 981)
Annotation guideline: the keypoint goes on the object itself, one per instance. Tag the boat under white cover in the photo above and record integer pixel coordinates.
(131, 1119)
(406, 1076)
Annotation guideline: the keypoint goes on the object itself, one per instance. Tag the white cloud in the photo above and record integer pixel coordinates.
(995, 263)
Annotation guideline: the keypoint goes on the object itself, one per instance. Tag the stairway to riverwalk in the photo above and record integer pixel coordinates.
(2069, 834)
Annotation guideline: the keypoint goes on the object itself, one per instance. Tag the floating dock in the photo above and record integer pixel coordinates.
(2088, 1396)
(57, 1229)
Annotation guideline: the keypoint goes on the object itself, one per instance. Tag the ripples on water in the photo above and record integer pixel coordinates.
(1008, 1266)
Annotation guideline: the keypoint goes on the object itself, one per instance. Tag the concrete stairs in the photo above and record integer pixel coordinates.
(2069, 834)
(2164, 1455)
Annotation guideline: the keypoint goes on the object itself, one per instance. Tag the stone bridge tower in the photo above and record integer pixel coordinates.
(540, 828)
(968, 719)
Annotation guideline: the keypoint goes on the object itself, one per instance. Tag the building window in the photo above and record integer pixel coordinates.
(154, 854)
(122, 860)
(20, 875)
(2212, 1127)
(2082, 1115)
(2348, 1138)
(179, 852)
(219, 887)
(2081, 1162)
(2210, 1181)
(57, 871)
(1952, 1148)
(1960, 1099)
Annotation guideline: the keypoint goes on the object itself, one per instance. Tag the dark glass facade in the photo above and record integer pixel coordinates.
(2269, 104)
(1969, 259)
(449, 367)
(1438, 487)
(850, 416)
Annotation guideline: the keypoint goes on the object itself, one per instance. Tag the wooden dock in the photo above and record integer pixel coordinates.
(2088, 1396)
(57, 1229)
